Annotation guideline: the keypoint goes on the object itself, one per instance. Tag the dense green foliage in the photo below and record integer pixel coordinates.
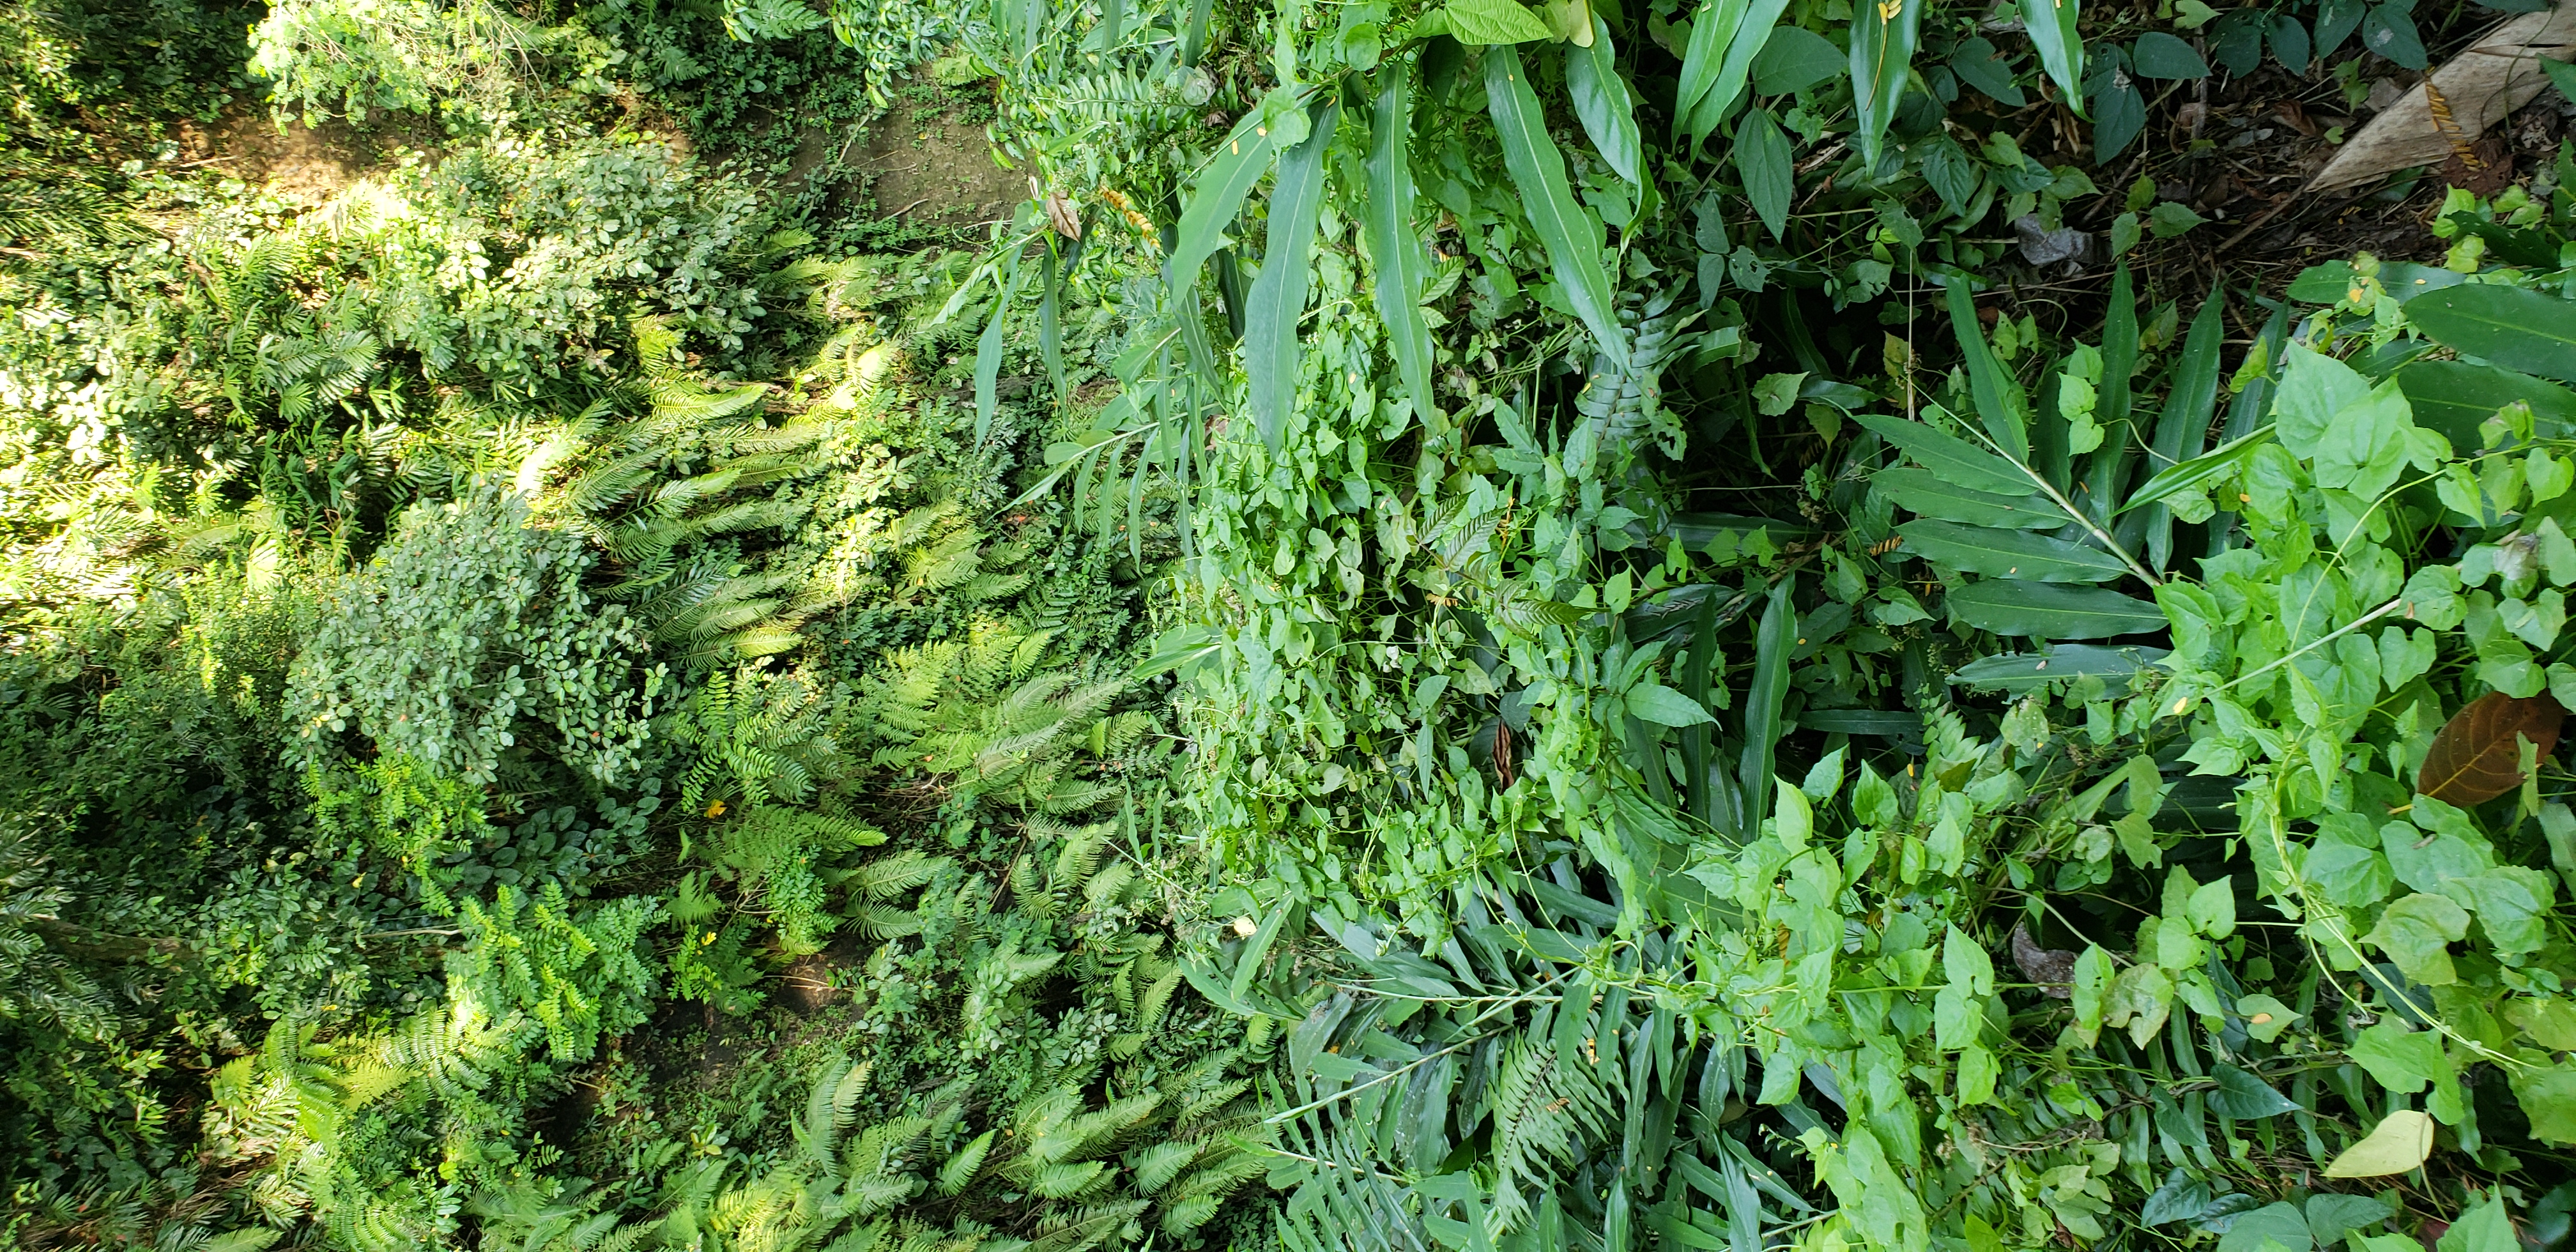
(567, 694)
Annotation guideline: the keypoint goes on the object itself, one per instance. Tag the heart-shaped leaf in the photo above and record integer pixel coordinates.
(2476, 757)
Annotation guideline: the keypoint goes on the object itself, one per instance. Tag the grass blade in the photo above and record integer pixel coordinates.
(1751, 35)
(988, 354)
(1712, 29)
(1697, 674)
(2015, 554)
(2050, 611)
(2254, 403)
(2183, 431)
(1395, 249)
(2001, 411)
(2106, 475)
(1926, 494)
(2199, 471)
(1050, 331)
(1279, 295)
(1773, 641)
(1571, 234)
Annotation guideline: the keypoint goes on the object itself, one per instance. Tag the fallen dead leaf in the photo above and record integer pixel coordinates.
(2491, 78)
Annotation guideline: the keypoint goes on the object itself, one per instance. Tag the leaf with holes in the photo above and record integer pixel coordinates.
(2477, 757)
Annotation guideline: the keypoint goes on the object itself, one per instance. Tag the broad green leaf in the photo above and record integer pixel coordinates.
(2159, 55)
(1395, 251)
(1494, 22)
(2017, 673)
(1602, 101)
(2548, 1097)
(2212, 908)
(2332, 1216)
(2314, 387)
(2119, 112)
(1978, 65)
(2416, 933)
(1998, 408)
(2265, 1017)
(1952, 458)
(2051, 26)
(2009, 553)
(2507, 326)
(1762, 160)
(2455, 397)
(1654, 702)
(2333, 281)
(1278, 299)
(1238, 164)
(2402, 1060)
(1883, 37)
(1792, 58)
(2199, 472)
(1793, 818)
(2049, 611)
(2264, 1227)
(1570, 233)
(1923, 492)
(2245, 1097)
(2401, 1142)
(2488, 1226)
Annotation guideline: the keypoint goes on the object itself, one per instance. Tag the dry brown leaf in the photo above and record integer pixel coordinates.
(2478, 755)
(2053, 969)
(2497, 74)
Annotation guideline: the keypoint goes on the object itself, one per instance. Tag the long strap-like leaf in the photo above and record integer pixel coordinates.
(2051, 24)
(1712, 28)
(2184, 428)
(1999, 413)
(1238, 164)
(1395, 249)
(1571, 235)
(988, 353)
(1773, 641)
(1883, 37)
(1279, 295)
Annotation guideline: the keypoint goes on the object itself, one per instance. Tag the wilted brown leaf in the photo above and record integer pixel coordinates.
(2477, 757)
(2495, 75)
(2052, 968)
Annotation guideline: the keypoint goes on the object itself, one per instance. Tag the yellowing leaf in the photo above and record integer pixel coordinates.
(2398, 1144)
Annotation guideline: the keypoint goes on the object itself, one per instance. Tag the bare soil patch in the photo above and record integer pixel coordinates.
(309, 164)
(937, 172)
